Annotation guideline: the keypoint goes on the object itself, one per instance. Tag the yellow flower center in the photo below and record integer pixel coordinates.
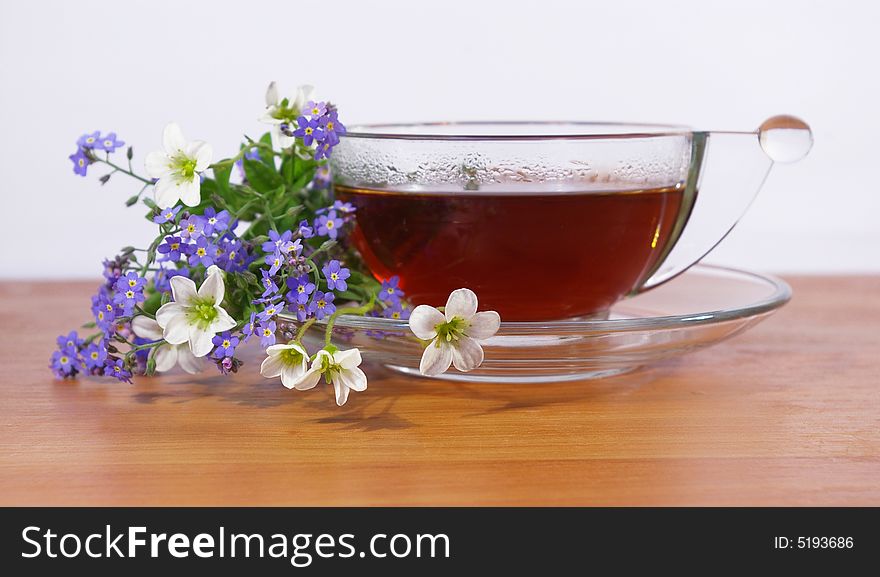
(291, 357)
(330, 224)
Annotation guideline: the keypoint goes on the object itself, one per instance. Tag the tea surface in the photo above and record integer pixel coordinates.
(527, 256)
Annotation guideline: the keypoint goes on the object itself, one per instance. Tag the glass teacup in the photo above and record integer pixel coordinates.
(548, 221)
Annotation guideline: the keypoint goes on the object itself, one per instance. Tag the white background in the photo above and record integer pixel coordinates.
(68, 67)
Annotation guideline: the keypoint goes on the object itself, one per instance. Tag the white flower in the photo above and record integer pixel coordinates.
(455, 333)
(282, 111)
(338, 367)
(290, 362)
(195, 316)
(178, 168)
(166, 355)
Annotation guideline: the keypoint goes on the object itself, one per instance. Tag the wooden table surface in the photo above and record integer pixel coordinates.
(785, 414)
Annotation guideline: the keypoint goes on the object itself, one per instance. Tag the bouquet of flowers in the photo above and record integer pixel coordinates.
(239, 241)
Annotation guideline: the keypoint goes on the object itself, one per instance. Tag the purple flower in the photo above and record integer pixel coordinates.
(309, 130)
(390, 292)
(89, 140)
(192, 227)
(167, 215)
(105, 313)
(129, 292)
(300, 289)
(332, 127)
(215, 221)
(322, 177)
(323, 150)
(322, 305)
(164, 275)
(339, 206)
(131, 281)
(268, 283)
(227, 365)
(336, 274)
(267, 333)
(63, 364)
(249, 328)
(224, 345)
(113, 269)
(344, 207)
(69, 343)
(202, 252)
(274, 261)
(328, 224)
(80, 162)
(108, 143)
(270, 311)
(95, 354)
(172, 248)
(235, 256)
(302, 311)
(278, 242)
(305, 230)
(399, 310)
(116, 368)
(314, 109)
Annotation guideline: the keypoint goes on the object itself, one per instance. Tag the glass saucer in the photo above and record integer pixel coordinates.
(699, 308)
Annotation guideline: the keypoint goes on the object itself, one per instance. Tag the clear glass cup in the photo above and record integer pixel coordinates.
(548, 221)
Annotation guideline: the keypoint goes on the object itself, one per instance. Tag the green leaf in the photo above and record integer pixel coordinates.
(222, 172)
(288, 168)
(266, 154)
(348, 296)
(261, 177)
(153, 302)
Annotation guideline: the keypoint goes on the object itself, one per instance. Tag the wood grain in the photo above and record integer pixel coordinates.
(786, 414)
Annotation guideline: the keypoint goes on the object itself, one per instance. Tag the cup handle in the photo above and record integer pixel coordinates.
(727, 169)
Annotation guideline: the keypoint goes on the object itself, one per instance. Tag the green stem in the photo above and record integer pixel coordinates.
(145, 313)
(302, 330)
(268, 215)
(347, 311)
(120, 169)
